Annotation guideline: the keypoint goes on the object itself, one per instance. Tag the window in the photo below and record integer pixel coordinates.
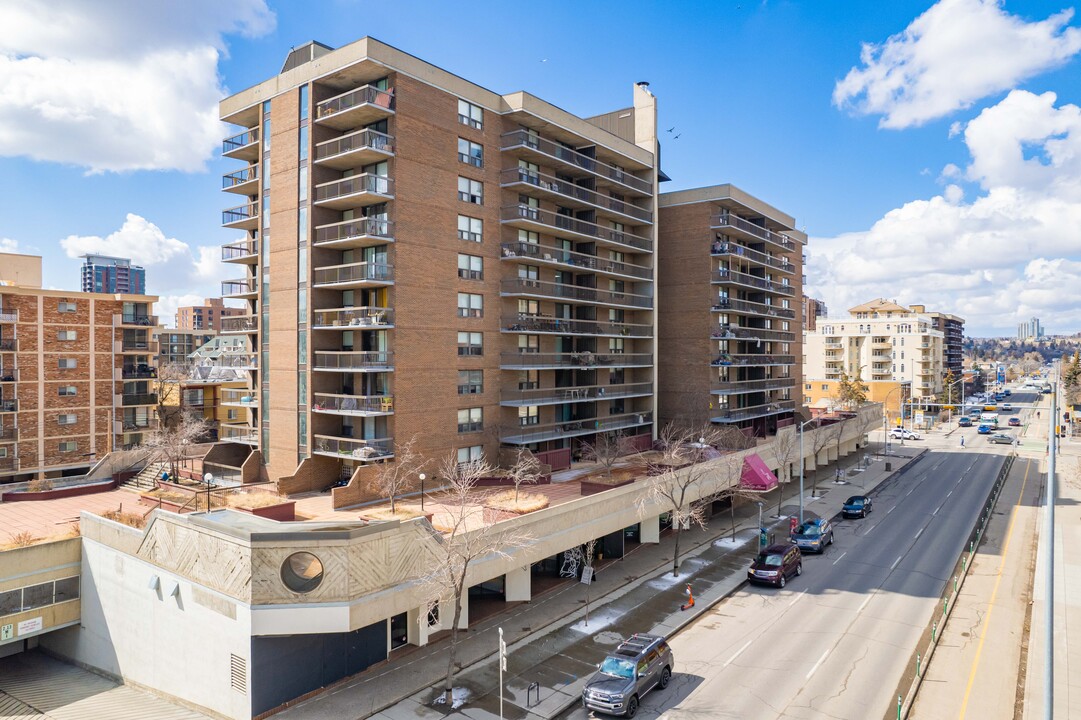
(66, 307)
(528, 236)
(470, 228)
(68, 446)
(528, 343)
(470, 343)
(470, 454)
(67, 391)
(470, 420)
(304, 90)
(470, 152)
(65, 335)
(470, 305)
(470, 267)
(470, 191)
(68, 363)
(69, 419)
(528, 379)
(528, 415)
(528, 307)
(303, 143)
(470, 382)
(470, 114)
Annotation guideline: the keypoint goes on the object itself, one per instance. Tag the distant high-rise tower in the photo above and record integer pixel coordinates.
(1030, 329)
(104, 274)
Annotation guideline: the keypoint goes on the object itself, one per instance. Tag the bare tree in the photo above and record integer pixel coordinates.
(606, 449)
(398, 475)
(462, 542)
(820, 440)
(526, 470)
(166, 383)
(171, 445)
(784, 449)
(836, 433)
(729, 471)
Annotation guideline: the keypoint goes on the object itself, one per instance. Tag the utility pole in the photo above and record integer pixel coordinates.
(1049, 599)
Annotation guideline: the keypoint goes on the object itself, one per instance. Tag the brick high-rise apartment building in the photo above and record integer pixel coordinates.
(730, 310)
(426, 257)
(76, 373)
(207, 316)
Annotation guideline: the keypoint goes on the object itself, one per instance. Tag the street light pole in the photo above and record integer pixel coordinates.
(802, 462)
(422, 492)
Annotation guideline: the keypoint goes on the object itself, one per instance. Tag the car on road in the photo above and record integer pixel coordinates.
(903, 434)
(814, 535)
(1001, 439)
(1007, 407)
(964, 422)
(990, 407)
(639, 664)
(776, 564)
(1007, 392)
(1014, 422)
(857, 506)
(984, 429)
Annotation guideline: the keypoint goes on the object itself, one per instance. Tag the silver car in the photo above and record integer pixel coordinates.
(639, 664)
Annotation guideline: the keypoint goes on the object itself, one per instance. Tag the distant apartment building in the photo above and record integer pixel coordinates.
(175, 345)
(812, 310)
(207, 316)
(76, 373)
(1030, 330)
(896, 351)
(427, 258)
(953, 339)
(730, 310)
(110, 275)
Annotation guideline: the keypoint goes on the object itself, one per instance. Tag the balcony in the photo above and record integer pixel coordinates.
(239, 397)
(357, 405)
(362, 106)
(345, 448)
(730, 277)
(568, 194)
(243, 251)
(557, 257)
(9, 406)
(741, 253)
(542, 151)
(353, 275)
(354, 150)
(352, 361)
(738, 387)
(139, 399)
(138, 372)
(573, 428)
(881, 358)
(751, 360)
(234, 324)
(9, 345)
(547, 221)
(752, 334)
(749, 413)
(9, 465)
(731, 305)
(238, 361)
(244, 288)
(578, 394)
(137, 320)
(367, 317)
(129, 425)
(244, 146)
(238, 433)
(544, 325)
(137, 347)
(355, 192)
(9, 435)
(522, 287)
(577, 360)
(359, 233)
(9, 316)
(241, 217)
(243, 182)
(9, 375)
(747, 229)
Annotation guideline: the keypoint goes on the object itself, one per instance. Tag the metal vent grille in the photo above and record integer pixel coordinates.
(238, 674)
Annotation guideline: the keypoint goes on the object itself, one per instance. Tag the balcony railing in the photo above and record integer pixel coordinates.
(565, 189)
(243, 176)
(735, 387)
(237, 250)
(9, 464)
(564, 225)
(248, 213)
(563, 326)
(353, 273)
(572, 428)
(8, 435)
(734, 250)
(574, 360)
(355, 185)
(351, 449)
(139, 320)
(9, 345)
(730, 277)
(523, 138)
(135, 346)
(354, 317)
(136, 372)
(364, 95)
(546, 253)
(348, 360)
(238, 288)
(356, 148)
(239, 433)
(238, 361)
(564, 291)
(749, 413)
(360, 232)
(727, 359)
(9, 406)
(8, 375)
(353, 404)
(140, 399)
(588, 393)
(9, 316)
(729, 221)
(239, 324)
(241, 140)
(135, 424)
(242, 397)
(747, 333)
(746, 306)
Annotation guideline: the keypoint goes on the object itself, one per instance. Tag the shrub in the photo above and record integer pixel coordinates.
(22, 539)
(527, 502)
(130, 519)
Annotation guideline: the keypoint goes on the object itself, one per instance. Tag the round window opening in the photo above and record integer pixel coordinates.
(302, 572)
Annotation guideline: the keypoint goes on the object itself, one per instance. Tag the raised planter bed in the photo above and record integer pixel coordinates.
(282, 512)
(590, 487)
(57, 493)
(375, 519)
(505, 481)
(151, 501)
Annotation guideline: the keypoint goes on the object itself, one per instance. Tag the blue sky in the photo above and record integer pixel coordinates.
(916, 178)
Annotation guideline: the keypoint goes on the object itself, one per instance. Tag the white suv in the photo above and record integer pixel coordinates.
(903, 434)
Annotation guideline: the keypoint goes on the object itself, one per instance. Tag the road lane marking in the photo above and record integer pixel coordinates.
(796, 599)
(737, 653)
(869, 530)
(936, 511)
(864, 604)
(919, 533)
(895, 562)
(994, 593)
(817, 664)
(949, 493)
(890, 510)
(909, 492)
(839, 558)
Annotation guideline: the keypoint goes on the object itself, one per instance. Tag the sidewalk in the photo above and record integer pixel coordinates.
(547, 638)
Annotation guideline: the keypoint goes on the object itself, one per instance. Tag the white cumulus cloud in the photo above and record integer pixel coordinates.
(955, 53)
(117, 85)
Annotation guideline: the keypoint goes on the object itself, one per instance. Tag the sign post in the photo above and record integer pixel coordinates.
(502, 667)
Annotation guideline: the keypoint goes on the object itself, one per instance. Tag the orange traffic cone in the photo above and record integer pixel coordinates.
(690, 599)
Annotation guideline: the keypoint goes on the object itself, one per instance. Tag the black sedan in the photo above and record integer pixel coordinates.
(857, 506)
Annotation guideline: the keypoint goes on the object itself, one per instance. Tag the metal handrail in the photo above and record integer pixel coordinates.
(566, 223)
(364, 95)
(543, 288)
(366, 138)
(567, 189)
(240, 140)
(358, 227)
(549, 253)
(363, 183)
(524, 138)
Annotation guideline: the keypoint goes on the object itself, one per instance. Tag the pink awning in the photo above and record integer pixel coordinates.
(756, 477)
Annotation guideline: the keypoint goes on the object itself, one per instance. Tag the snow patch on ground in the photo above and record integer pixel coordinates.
(459, 697)
(597, 621)
(667, 581)
(728, 542)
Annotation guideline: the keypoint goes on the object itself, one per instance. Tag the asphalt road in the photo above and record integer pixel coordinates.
(834, 642)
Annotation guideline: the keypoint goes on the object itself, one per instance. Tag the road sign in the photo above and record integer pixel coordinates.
(587, 575)
(7, 632)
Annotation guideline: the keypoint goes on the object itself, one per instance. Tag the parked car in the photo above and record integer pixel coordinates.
(814, 535)
(776, 564)
(857, 506)
(1014, 422)
(903, 434)
(639, 664)
(964, 422)
(1001, 439)
(984, 430)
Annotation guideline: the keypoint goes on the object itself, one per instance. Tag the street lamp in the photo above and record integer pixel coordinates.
(422, 492)
(761, 530)
(209, 479)
(801, 464)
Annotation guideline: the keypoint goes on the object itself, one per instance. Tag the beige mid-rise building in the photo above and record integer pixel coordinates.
(425, 257)
(206, 317)
(76, 373)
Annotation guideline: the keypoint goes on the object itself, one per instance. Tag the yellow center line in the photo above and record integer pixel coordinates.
(994, 593)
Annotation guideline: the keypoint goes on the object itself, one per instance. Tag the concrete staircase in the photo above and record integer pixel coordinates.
(146, 479)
